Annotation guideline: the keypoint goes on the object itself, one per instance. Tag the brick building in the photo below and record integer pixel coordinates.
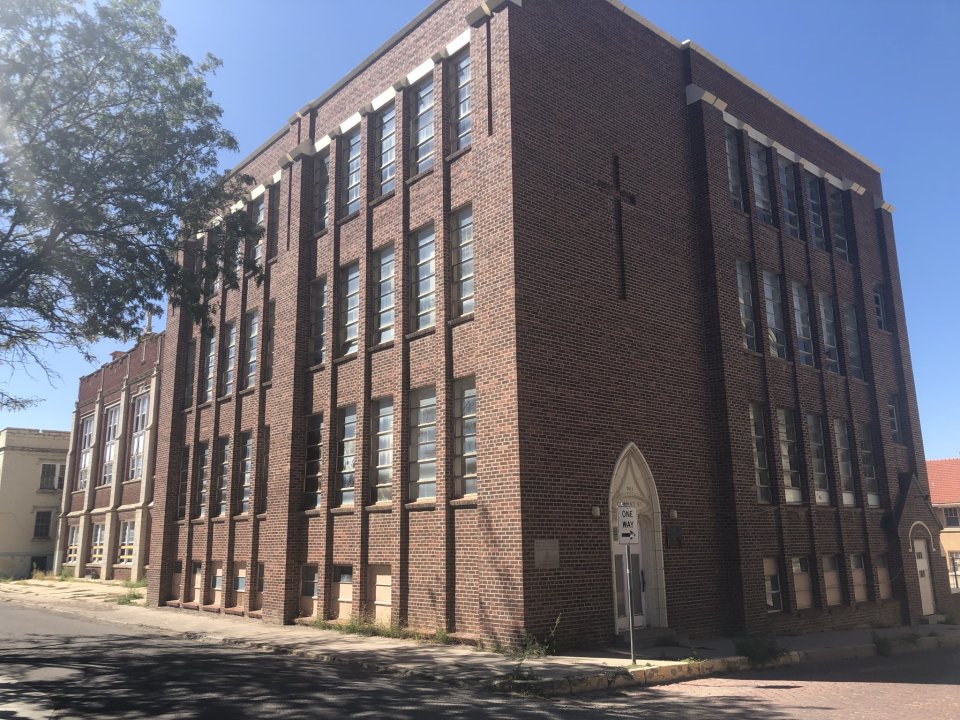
(944, 476)
(105, 513)
(526, 263)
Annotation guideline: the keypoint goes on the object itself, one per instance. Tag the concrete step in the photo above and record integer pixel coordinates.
(933, 620)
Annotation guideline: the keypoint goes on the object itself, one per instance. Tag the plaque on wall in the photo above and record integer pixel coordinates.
(546, 554)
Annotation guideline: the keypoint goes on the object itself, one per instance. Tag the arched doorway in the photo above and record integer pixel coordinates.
(633, 485)
(921, 542)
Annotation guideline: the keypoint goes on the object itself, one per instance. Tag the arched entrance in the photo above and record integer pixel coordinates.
(633, 485)
(921, 542)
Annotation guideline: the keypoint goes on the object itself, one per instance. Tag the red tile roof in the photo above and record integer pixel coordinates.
(944, 477)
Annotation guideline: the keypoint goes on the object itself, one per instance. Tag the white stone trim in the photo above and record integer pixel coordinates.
(643, 21)
(237, 206)
(384, 98)
(321, 144)
(257, 191)
(420, 72)
(276, 177)
(881, 204)
(458, 43)
(350, 123)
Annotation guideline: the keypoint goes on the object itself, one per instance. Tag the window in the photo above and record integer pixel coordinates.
(896, 426)
(269, 323)
(216, 579)
(859, 578)
(951, 517)
(838, 224)
(773, 298)
(111, 425)
(203, 479)
(851, 335)
(48, 476)
(263, 470)
(387, 150)
(96, 544)
(138, 437)
(868, 465)
(465, 432)
(260, 575)
(245, 469)
(349, 308)
(223, 479)
(341, 591)
(190, 373)
(61, 475)
(801, 316)
(240, 581)
(423, 444)
(273, 219)
(734, 178)
(461, 121)
(209, 366)
(251, 325)
(314, 452)
(831, 579)
(321, 187)
(182, 483)
(883, 577)
(308, 581)
(229, 359)
(761, 181)
(845, 462)
(771, 580)
(818, 451)
(802, 583)
(424, 290)
(127, 535)
(884, 321)
(383, 449)
(828, 323)
(384, 289)
(461, 235)
(258, 218)
(815, 211)
(747, 311)
(789, 455)
(346, 454)
(86, 452)
(760, 462)
(41, 524)
(788, 196)
(953, 570)
(350, 173)
(422, 145)
(73, 544)
(318, 318)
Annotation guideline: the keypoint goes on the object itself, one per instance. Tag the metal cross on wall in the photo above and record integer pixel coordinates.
(619, 196)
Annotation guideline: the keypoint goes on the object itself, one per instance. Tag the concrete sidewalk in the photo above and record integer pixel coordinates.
(460, 665)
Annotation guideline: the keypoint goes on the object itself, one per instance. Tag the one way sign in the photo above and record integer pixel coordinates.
(627, 528)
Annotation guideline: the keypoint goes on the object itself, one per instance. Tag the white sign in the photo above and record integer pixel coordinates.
(628, 529)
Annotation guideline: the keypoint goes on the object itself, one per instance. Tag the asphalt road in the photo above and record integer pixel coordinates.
(58, 666)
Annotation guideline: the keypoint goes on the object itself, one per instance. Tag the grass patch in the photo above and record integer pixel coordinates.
(367, 628)
(759, 649)
(141, 583)
(883, 644)
(128, 598)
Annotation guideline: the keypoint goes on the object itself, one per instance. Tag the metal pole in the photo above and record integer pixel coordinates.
(633, 654)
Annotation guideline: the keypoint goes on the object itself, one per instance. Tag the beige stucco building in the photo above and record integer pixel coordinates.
(944, 478)
(32, 469)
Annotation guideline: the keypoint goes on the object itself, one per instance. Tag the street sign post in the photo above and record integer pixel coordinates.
(628, 532)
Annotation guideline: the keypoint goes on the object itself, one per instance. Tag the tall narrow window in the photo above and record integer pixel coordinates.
(318, 321)
(953, 570)
(788, 196)
(868, 464)
(789, 455)
(384, 294)
(422, 144)
(61, 476)
(896, 421)
(848, 484)
(223, 478)
(314, 453)
(734, 177)
(423, 444)
(465, 432)
(190, 372)
(259, 218)
(831, 579)
(128, 530)
(461, 235)
(202, 476)
(111, 425)
(761, 461)
(347, 454)
(883, 577)
(461, 119)
(41, 524)
(747, 310)
(815, 211)
(86, 452)
(73, 544)
(96, 544)
(828, 322)
(269, 324)
(349, 175)
(951, 517)
(48, 476)
(321, 189)
(209, 365)
(273, 219)
(349, 308)
(773, 298)
(802, 583)
(138, 435)
(851, 336)
(771, 581)
(229, 359)
(761, 181)
(859, 577)
(263, 470)
(818, 452)
(838, 224)
(245, 469)
(383, 449)
(182, 483)
(884, 321)
(387, 150)
(423, 296)
(251, 342)
(801, 316)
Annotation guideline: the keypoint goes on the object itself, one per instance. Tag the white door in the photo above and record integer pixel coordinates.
(637, 580)
(923, 572)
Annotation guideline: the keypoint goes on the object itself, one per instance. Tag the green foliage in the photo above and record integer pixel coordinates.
(5, 579)
(759, 648)
(882, 644)
(129, 597)
(141, 583)
(109, 143)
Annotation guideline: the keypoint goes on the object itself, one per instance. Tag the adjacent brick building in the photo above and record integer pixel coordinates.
(527, 263)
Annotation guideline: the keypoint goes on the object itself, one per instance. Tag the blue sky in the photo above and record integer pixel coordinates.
(880, 75)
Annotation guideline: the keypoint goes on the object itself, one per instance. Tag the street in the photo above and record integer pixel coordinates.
(54, 665)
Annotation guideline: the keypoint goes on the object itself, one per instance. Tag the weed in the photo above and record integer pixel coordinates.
(759, 649)
(141, 583)
(533, 647)
(883, 644)
(441, 636)
(129, 597)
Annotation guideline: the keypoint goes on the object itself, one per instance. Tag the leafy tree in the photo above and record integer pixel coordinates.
(108, 167)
